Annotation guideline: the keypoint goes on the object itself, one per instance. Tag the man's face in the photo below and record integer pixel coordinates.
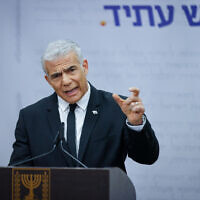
(67, 77)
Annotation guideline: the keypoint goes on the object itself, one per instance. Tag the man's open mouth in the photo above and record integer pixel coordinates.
(71, 92)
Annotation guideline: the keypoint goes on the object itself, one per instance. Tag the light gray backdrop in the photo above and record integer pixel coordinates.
(153, 45)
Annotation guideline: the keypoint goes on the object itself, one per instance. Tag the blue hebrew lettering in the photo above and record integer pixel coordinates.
(191, 15)
(115, 9)
(138, 15)
(127, 11)
(164, 21)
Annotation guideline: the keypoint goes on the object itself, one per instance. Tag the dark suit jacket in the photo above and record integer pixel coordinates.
(105, 139)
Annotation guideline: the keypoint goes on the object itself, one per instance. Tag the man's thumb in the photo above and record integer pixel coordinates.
(118, 99)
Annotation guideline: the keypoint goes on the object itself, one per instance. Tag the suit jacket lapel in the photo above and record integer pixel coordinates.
(53, 115)
(91, 117)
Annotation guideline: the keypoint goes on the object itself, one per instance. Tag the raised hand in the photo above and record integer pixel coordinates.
(132, 107)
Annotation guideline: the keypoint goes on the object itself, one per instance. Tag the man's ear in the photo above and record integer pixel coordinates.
(85, 66)
(47, 79)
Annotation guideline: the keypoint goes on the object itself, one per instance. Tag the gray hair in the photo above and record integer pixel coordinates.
(60, 48)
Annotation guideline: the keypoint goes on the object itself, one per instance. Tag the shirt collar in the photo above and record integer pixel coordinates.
(82, 103)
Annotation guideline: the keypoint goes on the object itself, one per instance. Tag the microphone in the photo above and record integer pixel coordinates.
(57, 140)
(61, 140)
(55, 144)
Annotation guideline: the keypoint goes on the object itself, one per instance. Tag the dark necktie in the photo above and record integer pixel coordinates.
(71, 130)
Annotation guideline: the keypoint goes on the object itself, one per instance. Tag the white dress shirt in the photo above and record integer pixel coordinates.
(80, 112)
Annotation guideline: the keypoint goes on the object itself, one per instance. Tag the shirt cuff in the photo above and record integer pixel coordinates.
(137, 128)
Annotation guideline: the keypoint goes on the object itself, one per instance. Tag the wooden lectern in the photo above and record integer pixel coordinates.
(18, 183)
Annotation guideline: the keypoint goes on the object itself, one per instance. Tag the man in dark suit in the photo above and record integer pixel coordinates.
(106, 127)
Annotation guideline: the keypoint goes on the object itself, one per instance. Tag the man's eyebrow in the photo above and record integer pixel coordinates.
(65, 69)
(69, 67)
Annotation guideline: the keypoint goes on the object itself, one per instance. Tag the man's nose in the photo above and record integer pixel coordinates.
(66, 80)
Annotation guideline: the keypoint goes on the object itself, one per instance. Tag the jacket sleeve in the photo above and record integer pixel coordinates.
(143, 146)
(21, 151)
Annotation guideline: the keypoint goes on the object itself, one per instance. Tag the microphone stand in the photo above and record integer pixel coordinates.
(35, 157)
(55, 144)
(71, 156)
(58, 140)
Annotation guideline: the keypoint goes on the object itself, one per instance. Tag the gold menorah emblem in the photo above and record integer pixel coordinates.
(31, 184)
(31, 181)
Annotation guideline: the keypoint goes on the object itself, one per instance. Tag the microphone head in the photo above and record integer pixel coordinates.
(61, 132)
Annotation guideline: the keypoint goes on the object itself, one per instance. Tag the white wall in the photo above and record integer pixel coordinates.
(164, 62)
